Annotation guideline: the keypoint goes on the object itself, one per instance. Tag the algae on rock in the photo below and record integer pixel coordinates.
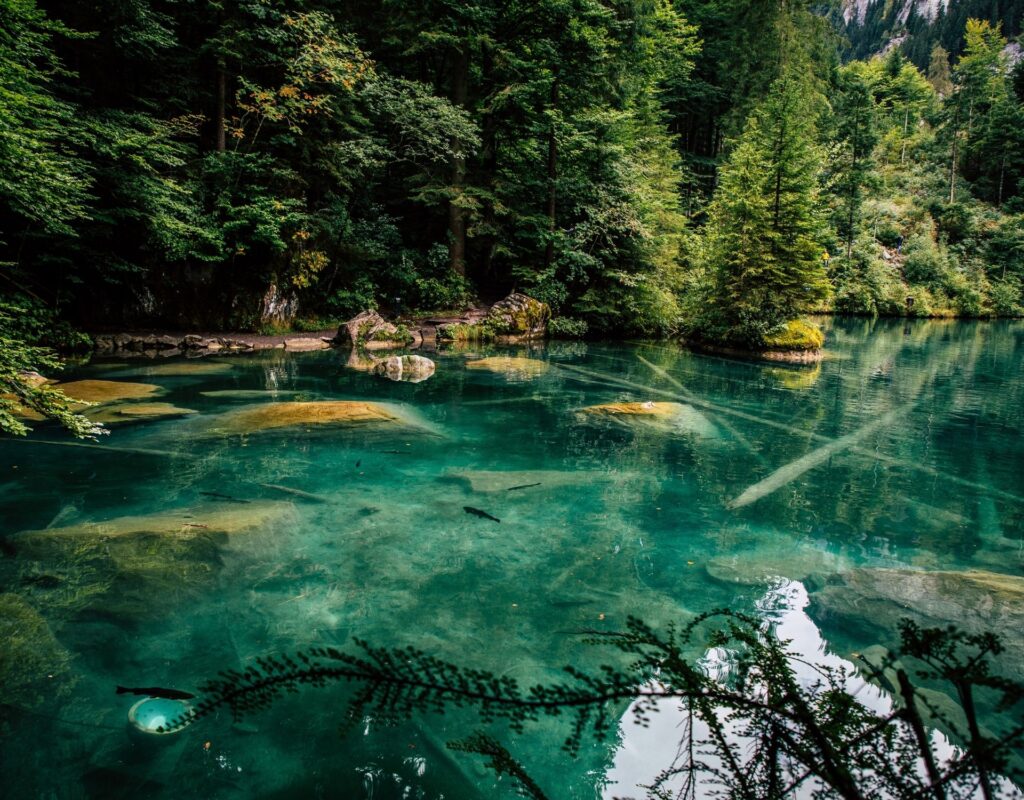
(512, 367)
(33, 664)
(98, 391)
(283, 415)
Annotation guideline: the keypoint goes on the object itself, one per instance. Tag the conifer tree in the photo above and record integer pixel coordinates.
(764, 255)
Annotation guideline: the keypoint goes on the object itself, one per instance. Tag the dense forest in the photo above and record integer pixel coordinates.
(643, 166)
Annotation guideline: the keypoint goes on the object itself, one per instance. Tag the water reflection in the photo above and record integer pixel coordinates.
(899, 452)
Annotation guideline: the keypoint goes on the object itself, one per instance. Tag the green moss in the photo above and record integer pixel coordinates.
(464, 332)
(797, 335)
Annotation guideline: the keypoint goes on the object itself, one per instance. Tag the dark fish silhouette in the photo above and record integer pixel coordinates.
(476, 512)
(524, 486)
(155, 691)
(225, 497)
(360, 461)
(397, 452)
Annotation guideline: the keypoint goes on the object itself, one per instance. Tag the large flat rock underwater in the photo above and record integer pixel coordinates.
(340, 414)
(666, 417)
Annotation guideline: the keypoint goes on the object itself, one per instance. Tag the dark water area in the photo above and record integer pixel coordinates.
(813, 496)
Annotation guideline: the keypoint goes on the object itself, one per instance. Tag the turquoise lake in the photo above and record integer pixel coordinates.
(181, 546)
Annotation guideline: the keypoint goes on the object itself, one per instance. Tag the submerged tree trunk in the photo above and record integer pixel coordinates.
(456, 213)
(552, 175)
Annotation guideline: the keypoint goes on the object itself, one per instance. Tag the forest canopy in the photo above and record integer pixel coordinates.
(645, 167)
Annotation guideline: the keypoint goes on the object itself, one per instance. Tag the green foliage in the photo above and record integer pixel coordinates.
(767, 729)
(763, 251)
(567, 328)
(21, 388)
(798, 334)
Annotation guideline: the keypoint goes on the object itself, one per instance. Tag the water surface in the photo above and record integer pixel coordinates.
(661, 519)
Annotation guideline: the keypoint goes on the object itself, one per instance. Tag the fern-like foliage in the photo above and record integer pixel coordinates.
(765, 732)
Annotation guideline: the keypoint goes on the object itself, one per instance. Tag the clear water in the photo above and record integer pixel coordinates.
(658, 521)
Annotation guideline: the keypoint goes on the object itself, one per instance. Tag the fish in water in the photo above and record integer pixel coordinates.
(476, 512)
(225, 497)
(155, 691)
(360, 461)
(524, 486)
(397, 452)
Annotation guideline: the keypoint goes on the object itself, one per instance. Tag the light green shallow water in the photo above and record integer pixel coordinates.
(657, 520)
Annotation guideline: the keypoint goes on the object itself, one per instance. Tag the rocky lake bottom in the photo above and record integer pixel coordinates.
(263, 503)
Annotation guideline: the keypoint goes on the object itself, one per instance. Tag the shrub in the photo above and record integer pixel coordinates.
(567, 328)
(798, 334)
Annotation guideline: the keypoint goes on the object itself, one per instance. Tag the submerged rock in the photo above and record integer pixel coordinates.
(282, 415)
(512, 367)
(976, 601)
(761, 565)
(411, 369)
(179, 522)
(135, 411)
(678, 417)
(33, 665)
(96, 391)
(249, 394)
(186, 368)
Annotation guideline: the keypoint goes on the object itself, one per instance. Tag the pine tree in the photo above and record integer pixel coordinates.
(764, 219)
(938, 71)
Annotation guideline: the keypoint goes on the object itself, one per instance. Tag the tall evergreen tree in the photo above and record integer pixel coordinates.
(764, 219)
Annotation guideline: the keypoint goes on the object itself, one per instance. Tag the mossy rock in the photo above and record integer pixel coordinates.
(284, 415)
(519, 315)
(128, 412)
(33, 664)
(798, 334)
(512, 367)
(97, 391)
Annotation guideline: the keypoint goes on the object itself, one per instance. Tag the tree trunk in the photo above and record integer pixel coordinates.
(489, 159)
(456, 214)
(222, 93)
(549, 250)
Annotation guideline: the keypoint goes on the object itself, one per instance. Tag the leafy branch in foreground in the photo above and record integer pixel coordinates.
(20, 387)
(763, 732)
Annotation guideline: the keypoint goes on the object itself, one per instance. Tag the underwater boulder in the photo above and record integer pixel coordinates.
(33, 664)
(976, 601)
(411, 369)
(179, 523)
(97, 391)
(512, 367)
(767, 563)
(670, 417)
(269, 416)
(127, 412)
(188, 368)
